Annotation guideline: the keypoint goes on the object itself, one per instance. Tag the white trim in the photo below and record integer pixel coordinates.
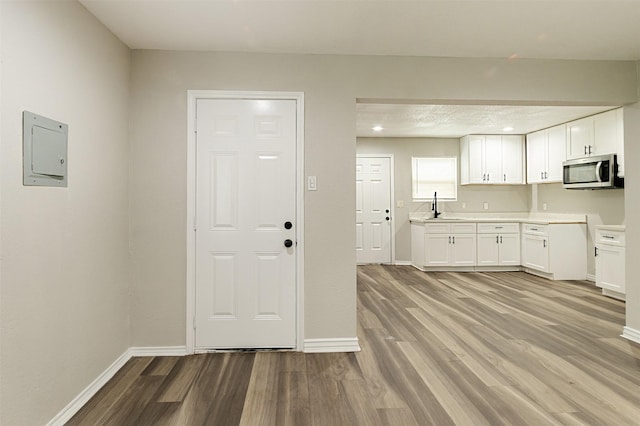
(402, 263)
(591, 277)
(158, 350)
(392, 200)
(192, 97)
(631, 334)
(83, 397)
(347, 344)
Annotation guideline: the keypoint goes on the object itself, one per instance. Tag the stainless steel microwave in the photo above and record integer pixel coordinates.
(597, 172)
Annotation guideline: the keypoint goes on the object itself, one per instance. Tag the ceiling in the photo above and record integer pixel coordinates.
(542, 29)
(454, 121)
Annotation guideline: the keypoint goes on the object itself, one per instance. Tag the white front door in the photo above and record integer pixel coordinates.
(373, 209)
(245, 273)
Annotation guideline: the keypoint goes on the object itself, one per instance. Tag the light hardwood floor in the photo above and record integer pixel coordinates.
(437, 349)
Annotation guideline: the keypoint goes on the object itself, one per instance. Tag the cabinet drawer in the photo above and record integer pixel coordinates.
(498, 228)
(533, 229)
(614, 238)
(463, 228)
(437, 228)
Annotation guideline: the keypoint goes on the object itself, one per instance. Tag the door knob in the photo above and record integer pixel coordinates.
(386, 211)
(387, 217)
(288, 243)
(288, 225)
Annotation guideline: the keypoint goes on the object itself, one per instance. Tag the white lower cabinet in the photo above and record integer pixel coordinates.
(449, 244)
(535, 252)
(555, 251)
(498, 244)
(610, 264)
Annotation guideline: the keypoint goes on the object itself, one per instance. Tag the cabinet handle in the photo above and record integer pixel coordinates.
(500, 239)
(488, 177)
(546, 176)
(496, 239)
(534, 229)
(499, 227)
(544, 243)
(585, 150)
(589, 149)
(595, 249)
(505, 177)
(449, 239)
(541, 175)
(610, 237)
(454, 239)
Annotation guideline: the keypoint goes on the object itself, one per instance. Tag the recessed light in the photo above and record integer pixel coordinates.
(378, 128)
(507, 129)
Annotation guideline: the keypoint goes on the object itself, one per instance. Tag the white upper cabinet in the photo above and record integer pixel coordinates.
(492, 159)
(580, 138)
(512, 159)
(545, 154)
(597, 135)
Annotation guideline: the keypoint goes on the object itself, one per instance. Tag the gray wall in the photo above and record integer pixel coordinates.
(507, 198)
(64, 278)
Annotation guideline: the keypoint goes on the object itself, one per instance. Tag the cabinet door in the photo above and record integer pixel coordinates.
(579, 137)
(605, 133)
(535, 252)
(610, 268)
(463, 250)
(417, 244)
(436, 249)
(488, 249)
(509, 249)
(476, 166)
(556, 153)
(493, 159)
(512, 159)
(536, 156)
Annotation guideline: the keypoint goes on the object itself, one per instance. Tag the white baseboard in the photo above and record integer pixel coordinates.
(402, 263)
(83, 397)
(79, 401)
(591, 278)
(631, 334)
(349, 344)
(158, 350)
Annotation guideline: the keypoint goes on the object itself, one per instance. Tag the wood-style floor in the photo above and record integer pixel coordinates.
(437, 349)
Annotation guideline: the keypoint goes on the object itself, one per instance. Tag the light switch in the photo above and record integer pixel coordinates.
(400, 204)
(485, 205)
(312, 184)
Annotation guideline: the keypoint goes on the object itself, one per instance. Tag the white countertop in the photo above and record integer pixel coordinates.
(540, 219)
(610, 227)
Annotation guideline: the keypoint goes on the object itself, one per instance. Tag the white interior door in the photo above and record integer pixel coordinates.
(245, 276)
(373, 209)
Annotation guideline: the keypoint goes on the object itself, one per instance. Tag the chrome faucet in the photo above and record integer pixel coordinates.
(434, 206)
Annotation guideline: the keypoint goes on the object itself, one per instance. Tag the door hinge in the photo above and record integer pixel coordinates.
(194, 322)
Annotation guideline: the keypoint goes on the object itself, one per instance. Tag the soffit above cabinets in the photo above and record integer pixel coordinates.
(454, 121)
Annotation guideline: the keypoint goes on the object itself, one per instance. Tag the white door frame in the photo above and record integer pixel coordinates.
(192, 98)
(392, 201)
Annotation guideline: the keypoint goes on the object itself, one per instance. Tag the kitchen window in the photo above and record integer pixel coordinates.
(434, 174)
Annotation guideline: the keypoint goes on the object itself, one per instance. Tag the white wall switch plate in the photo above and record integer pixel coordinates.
(544, 206)
(312, 183)
(485, 205)
(400, 204)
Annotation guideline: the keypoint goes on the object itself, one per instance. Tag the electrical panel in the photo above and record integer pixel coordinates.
(44, 148)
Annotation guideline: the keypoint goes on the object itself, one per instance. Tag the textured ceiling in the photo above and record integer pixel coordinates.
(400, 120)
